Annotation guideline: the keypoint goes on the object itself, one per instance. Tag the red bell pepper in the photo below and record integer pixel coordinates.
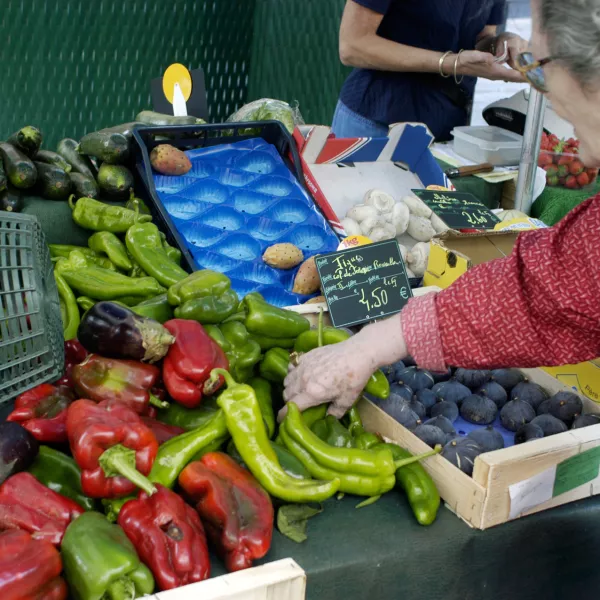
(125, 381)
(162, 431)
(27, 504)
(236, 511)
(29, 569)
(168, 536)
(74, 354)
(187, 366)
(43, 412)
(113, 448)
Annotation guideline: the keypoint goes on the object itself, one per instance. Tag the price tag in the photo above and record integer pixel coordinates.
(458, 210)
(364, 283)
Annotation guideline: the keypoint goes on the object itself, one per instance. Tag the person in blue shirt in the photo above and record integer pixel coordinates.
(418, 61)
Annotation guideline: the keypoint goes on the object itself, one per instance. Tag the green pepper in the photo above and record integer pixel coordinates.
(101, 563)
(102, 284)
(85, 303)
(156, 308)
(310, 416)
(423, 496)
(68, 307)
(105, 242)
(209, 309)
(62, 251)
(242, 352)
(332, 432)
(60, 473)
(98, 216)
(274, 366)
(145, 245)
(362, 438)
(271, 321)
(174, 254)
(262, 389)
(199, 284)
(186, 418)
(378, 386)
(266, 343)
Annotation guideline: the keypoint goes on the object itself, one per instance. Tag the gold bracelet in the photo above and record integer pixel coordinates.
(458, 81)
(442, 64)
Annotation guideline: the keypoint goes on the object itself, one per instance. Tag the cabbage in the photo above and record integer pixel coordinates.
(268, 109)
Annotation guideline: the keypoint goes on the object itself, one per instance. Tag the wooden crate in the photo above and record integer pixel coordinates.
(512, 482)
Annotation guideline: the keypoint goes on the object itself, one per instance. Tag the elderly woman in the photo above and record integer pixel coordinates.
(538, 307)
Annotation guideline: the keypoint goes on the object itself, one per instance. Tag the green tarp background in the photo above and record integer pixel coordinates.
(73, 66)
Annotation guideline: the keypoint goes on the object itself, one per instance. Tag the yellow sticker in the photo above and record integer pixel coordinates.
(353, 241)
(177, 73)
(438, 188)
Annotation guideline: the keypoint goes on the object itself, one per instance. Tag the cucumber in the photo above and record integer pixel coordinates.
(28, 140)
(111, 148)
(20, 170)
(85, 187)
(125, 129)
(52, 158)
(3, 178)
(149, 117)
(53, 182)
(67, 148)
(115, 180)
(11, 200)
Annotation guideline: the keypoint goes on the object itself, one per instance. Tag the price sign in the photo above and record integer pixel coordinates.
(458, 210)
(364, 283)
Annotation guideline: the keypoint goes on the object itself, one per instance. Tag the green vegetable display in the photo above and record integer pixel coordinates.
(106, 242)
(98, 216)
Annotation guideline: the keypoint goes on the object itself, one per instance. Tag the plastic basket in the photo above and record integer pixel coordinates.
(31, 331)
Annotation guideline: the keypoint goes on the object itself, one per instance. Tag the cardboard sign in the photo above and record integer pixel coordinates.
(364, 283)
(458, 210)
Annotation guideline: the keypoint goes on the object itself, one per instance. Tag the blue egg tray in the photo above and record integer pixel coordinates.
(238, 199)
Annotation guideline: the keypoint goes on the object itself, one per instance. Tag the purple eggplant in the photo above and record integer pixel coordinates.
(18, 449)
(114, 331)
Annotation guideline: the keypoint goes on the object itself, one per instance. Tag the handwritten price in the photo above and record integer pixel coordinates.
(376, 299)
(476, 218)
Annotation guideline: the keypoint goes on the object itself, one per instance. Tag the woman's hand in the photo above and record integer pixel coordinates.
(474, 63)
(515, 45)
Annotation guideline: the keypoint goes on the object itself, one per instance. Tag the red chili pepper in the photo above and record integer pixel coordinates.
(188, 364)
(236, 511)
(43, 412)
(27, 504)
(29, 569)
(125, 381)
(162, 432)
(74, 354)
(112, 446)
(168, 536)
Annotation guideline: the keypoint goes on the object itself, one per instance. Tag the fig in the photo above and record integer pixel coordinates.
(439, 377)
(462, 454)
(418, 409)
(488, 438)
(443, 423)
(515, 414)
(430, 434)
(549, 425)
(427, 398)
(544, 407)
(508, 378)
(472, 378)
(452, 391)
(391, 370)
(565, 406)
(400, 391)
(528, 433)
(447, 409)
(585, 421)
(415, 378)
(399, 410)
(495, 392)
(478, 409)
(529, 392)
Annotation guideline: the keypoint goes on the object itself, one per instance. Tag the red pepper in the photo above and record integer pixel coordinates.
(112, 446)
(168, 536)
(125, 381)
(43, 412)
(188, 364)
(74, 354)
(162, 432)
(236, 511)
(27, 504)
(29, 569)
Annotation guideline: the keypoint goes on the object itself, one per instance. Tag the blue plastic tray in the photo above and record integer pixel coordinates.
(237, 200)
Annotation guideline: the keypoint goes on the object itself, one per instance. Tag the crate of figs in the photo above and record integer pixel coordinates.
(509, 437)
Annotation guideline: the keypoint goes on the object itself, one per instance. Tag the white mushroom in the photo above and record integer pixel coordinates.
(381, 200)
(385, 232)
(410, 274)
(400, 217)
(419, 255)
(360, 212)
(417, 207)
(438, 224)
(351, 227)
(370, 223)
(420, 229)
(406, 255)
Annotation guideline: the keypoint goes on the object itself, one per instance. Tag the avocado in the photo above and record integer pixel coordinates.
(549, 425)
(478, 409)
(472, 378)
(495, 392)
(565, 406)
(430, 434)
(585, 421)
(447, 409)
(508, 378)
(416, 379)
(488, 438)
(515, 414)
(528, 433)
(530, 392)
(462, 454)
(443, 423)
(452, 391)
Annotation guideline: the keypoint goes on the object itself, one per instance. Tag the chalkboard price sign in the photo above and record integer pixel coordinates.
(458, 210)
(364, 283)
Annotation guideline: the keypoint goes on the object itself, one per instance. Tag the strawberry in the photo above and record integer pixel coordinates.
(552, 180)
(583, 179)
(545, 159)
(563, 170)
(551, 170)
(571, 182)
(562, 181)
(576, 167)
(565, 160)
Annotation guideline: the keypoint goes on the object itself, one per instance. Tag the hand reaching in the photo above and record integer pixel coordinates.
(474, 63)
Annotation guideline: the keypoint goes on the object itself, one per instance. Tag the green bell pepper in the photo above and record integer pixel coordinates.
(209, 309)
(199, 284)
(331, 431)
(60, 473)
(266, 343)
(186, 418)
(156, 308)
(271, 321)
(242, 352)
(101, 563)
(105, 242)
(274, 365)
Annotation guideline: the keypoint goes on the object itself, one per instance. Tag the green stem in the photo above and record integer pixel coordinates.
(71, 204)
(368, 501)
(407, 461)
(226, 375)
(120, 460)
(121, 589)
(154, 401)
(320, 329)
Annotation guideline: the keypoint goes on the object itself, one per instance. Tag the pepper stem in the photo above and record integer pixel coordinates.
(226, 375)
(120, 460)
(407, 461)
(368, 501)
(71, 203)
(121, 589)
(320, 329)
(154, 401)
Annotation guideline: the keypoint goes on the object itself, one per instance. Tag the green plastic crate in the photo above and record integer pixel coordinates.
(31, 331)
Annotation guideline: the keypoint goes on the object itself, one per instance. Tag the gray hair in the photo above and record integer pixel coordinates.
(573, 31)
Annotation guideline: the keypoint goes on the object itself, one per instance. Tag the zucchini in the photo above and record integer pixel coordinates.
(85, 187)
(52, 158)
(20, 170)
(3, 178)
(67, 148)
(11, 200)
(28, 140)
(148, 117)
(53, 182)
(115, 180)
(111, 148)
(125, 129)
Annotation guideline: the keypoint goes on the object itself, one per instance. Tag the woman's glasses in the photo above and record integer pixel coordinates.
(534, 70)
